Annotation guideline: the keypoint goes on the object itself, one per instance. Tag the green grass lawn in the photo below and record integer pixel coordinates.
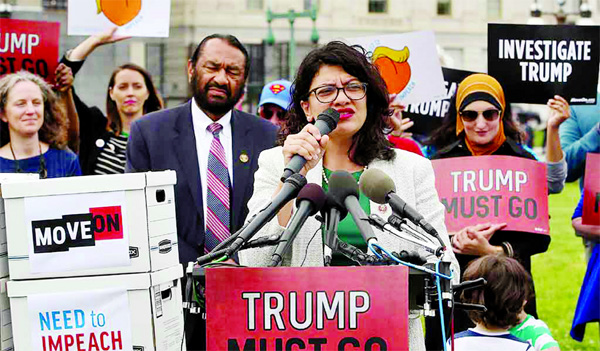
(558, 274)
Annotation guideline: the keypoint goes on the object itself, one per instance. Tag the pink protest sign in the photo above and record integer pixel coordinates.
(30, 46)
(591, 190)
(307, 308)
(496, 189)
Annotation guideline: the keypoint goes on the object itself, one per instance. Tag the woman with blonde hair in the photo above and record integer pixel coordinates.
(33, 129)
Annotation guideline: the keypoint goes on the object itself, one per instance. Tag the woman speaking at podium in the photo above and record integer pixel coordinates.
(340, 76)
(33, 129)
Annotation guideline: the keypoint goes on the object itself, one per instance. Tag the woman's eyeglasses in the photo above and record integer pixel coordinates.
(470, 116)
(328, 93)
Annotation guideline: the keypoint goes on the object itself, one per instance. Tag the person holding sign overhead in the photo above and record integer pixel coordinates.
(479, 123)
(340, 76)
(34, 125)
(130, 95)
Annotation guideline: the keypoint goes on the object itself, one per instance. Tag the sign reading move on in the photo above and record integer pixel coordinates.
(497, 189)
(84, 320)
(29, 45)
(78, 231)
(325, 308)
(534, 63)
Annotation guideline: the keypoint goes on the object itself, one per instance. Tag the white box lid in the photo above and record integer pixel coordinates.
(138, 281)
(74, 185)
(168, 177)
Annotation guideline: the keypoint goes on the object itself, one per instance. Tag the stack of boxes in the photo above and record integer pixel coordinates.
(6, 339)
(94, 263)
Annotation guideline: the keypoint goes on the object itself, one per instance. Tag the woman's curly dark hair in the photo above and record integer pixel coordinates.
(54, 128)
(508, 287)
(370, 142)
(153, 103)
(445, 134)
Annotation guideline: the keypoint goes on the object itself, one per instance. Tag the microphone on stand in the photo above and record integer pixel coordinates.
(290, 189)
(326, 122)
(344, 189)
(380, 188)
(310, 201)
(333, 212)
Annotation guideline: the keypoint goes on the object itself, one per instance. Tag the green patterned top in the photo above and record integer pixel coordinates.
(347, 229)
(534, 331)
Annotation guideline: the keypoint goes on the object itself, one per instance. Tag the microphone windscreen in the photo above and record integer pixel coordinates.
(297, 179)
(341, 185)
(332, 202)
(313, 193)
(331, 118)
(375, 184)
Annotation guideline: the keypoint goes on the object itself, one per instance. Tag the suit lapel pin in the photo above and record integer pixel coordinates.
(244, 157)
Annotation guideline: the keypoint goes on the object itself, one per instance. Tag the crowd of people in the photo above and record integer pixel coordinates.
(229, 163)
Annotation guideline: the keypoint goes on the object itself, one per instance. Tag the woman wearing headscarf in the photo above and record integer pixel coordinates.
(480, 123)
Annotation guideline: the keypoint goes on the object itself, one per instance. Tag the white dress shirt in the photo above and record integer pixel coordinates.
(204, 138)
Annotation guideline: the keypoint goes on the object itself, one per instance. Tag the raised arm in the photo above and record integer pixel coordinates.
(557, 166)
(86, 47)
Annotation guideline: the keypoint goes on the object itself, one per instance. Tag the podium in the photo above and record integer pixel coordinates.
(307, 308)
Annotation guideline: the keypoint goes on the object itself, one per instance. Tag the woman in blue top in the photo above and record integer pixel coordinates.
(33, 129)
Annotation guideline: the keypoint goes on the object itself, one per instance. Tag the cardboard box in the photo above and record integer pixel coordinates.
(6, 178)
(6, 337)
(154, 302)
(91, 225)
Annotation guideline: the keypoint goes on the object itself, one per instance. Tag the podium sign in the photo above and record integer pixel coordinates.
(307, 308)
(496, 189)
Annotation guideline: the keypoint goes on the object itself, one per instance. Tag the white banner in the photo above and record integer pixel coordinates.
(86, 320)
(139, 18)
(408, 63)
(77, 231)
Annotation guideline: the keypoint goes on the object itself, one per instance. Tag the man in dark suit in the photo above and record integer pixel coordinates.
(181, 139)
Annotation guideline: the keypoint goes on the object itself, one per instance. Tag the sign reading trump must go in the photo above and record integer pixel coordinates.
(307, 308)
(496, 189)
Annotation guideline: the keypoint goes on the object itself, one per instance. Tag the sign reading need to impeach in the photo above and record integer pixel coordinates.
(301, 308)
(591, 190)
(30, 46)
(493, 189)
(534, 63)
(83, 320)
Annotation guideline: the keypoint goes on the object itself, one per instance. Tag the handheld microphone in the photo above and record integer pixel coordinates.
(344, 188)
(310, 201)
(326, 122)
(380, 188)
(291, 187)
(333, 212)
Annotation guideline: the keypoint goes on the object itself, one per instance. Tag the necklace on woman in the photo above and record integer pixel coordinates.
(42, 170)
(326, 180)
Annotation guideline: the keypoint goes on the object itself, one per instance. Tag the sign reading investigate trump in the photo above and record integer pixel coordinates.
(497, 189)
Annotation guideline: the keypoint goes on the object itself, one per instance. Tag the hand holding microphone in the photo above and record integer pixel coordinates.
(303, 151)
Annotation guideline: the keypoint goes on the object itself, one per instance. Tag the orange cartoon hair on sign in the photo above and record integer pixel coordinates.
(119, 12)
(393, 67)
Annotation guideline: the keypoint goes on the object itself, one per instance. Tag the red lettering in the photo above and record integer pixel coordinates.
(44, 343)
(55, 346)
(116, 339)
(102, 335)
(80, 342)
(93, 343)
(69, 341)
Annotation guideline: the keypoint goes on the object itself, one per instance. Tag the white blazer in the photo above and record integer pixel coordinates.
(415, 184)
